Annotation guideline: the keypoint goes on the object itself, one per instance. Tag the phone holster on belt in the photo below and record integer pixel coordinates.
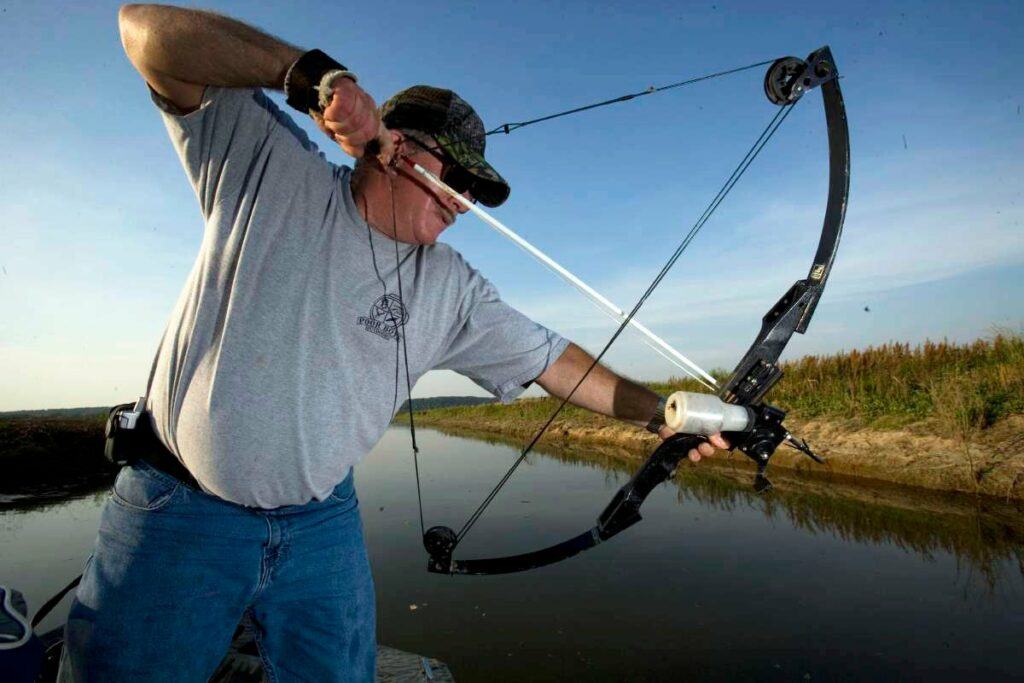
(126, 430)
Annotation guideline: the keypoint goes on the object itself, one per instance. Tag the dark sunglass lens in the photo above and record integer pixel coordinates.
(457, 178)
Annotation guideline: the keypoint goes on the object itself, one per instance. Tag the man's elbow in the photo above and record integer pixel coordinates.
(129, 17)
(136, 23)
(130, 22)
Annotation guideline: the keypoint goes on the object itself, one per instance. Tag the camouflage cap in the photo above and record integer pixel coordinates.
(458, 130)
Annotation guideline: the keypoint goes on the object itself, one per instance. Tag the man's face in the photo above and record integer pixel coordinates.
(422, 211)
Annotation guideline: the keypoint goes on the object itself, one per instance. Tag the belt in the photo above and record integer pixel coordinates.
(155, 454)
(168, 463)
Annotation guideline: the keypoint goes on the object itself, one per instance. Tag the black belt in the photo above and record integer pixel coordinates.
(154, 453)
(168, 463)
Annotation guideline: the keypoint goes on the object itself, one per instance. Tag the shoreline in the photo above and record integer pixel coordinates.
(990, 464)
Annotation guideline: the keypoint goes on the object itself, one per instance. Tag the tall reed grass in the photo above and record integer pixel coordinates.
(963, 386)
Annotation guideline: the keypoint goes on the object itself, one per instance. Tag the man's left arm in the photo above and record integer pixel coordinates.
(609, 394)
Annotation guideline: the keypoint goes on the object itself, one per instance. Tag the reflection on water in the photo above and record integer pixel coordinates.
(45, 543)
(982, 533)
(824, 576)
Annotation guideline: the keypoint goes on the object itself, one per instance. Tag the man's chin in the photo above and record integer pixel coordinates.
(429, 234)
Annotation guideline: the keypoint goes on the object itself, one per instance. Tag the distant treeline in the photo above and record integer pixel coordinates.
(42, 451)
(58, 413)
(445, 402)
(36, 438)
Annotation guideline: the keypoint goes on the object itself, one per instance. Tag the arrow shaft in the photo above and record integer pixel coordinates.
(599, 300)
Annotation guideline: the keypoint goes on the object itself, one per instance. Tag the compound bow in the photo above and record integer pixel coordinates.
(786, 81)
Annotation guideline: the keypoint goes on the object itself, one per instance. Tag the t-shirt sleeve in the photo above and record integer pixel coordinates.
(237, 142)
(496, 346)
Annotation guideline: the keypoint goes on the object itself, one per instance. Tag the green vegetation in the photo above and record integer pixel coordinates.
(895, 384)
(445, 402)
(940, 415)
(950, 385)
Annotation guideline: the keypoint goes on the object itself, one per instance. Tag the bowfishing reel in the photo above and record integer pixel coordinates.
(755, 430)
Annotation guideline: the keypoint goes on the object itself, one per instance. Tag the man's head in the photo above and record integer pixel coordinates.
(440, 131)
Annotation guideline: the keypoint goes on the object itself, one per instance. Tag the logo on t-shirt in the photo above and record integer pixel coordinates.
(386, 315)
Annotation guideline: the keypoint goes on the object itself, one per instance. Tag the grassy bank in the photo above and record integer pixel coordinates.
(940, 415)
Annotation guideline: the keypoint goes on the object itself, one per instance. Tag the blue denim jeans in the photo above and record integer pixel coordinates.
(174, 570)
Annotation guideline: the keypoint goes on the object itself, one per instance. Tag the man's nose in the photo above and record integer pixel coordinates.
(456, 205)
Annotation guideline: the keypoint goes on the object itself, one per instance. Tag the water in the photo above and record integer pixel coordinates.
(825, 579)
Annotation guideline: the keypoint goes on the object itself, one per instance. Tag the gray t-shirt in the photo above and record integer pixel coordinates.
(279, 366)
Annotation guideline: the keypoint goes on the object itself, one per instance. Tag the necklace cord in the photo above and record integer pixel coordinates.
(400, 334)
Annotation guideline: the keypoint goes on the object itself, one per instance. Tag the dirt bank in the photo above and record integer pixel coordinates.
(988, 462)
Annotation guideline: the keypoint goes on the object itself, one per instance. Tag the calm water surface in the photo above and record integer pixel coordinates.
(820, 579)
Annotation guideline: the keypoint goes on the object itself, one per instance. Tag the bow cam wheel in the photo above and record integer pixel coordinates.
(778, 81)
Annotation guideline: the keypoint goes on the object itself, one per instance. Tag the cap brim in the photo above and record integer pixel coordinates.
(487, 186)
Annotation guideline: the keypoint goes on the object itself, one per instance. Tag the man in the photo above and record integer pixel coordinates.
(318, 297)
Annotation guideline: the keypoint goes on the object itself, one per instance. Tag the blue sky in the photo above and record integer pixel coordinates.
(98, 226)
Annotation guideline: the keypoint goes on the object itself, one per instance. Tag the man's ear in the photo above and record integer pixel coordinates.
(398, 139)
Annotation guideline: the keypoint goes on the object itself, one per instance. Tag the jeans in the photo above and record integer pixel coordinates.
(175, 569)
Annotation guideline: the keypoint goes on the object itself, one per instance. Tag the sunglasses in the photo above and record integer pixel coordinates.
(452, 174)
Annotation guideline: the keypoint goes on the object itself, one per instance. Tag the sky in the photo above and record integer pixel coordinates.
(99, 227)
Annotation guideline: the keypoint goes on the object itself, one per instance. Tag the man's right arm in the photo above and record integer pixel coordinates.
(181, 51)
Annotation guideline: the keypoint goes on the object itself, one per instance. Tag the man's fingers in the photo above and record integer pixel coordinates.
(704, 450)
(719, 441)
(356, 128)
(352, 114)
(351, 119)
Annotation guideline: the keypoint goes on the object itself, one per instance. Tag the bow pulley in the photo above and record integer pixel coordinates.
(788, 78)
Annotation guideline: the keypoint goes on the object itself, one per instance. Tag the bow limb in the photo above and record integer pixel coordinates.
(621, 513)
(758, 370)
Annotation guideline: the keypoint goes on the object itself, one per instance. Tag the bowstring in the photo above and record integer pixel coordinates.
(734, 177)
(507, 128)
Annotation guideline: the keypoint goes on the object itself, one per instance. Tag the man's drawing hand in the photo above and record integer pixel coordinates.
(351, 119)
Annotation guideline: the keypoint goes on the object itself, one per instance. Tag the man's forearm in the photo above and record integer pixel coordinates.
(203, 48)
(603, 391)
